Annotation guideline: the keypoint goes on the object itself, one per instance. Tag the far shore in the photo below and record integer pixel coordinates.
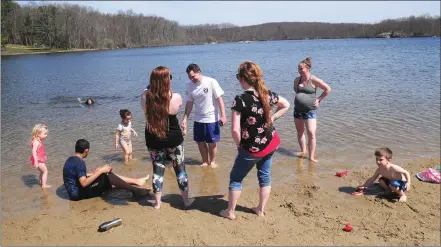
(15, 50)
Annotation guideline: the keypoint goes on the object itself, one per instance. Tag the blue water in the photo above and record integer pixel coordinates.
(385, 92)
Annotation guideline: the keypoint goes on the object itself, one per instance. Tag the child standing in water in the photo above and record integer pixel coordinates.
(38, 157)
(123, 134)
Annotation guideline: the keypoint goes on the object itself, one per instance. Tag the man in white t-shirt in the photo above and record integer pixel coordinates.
(206, 94)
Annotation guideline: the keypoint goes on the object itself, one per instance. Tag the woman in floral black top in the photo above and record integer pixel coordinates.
(254, 134)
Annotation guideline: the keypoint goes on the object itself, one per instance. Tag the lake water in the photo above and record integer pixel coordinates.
(385, 92)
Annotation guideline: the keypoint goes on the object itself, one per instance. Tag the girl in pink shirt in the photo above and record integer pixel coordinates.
(38, 157)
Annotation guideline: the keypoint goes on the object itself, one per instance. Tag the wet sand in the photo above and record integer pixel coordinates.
(302, 211)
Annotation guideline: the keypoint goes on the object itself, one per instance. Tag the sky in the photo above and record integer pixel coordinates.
(244, 13)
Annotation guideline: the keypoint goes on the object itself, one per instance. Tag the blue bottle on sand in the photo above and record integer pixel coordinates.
(109, 224)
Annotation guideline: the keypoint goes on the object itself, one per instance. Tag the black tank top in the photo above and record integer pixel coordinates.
(172, 139)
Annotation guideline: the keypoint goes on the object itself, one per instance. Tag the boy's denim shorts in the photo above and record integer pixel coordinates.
(244, 163)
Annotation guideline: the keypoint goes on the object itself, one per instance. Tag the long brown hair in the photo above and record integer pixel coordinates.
(158, 101)
(253, 75)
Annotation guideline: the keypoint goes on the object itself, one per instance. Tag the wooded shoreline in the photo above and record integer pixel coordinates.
(70, 26)
(15, 50)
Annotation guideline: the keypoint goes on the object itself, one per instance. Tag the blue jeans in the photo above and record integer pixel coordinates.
(244, 163)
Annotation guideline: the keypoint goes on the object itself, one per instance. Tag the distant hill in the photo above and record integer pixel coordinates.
(423, 26)
(71, 26)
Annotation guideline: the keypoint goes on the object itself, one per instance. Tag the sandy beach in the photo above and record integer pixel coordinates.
(300, 212)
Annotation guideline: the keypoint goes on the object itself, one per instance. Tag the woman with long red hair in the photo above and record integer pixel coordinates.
(163, 133)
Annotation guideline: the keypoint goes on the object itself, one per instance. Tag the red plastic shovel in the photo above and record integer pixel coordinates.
(341, 174)
(347, 228)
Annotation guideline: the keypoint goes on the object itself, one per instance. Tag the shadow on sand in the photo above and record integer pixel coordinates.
(371, 191)
(30, 180)
(116, 157)
(290, 153)
(113, 196)
(192, 162)
(212, 204)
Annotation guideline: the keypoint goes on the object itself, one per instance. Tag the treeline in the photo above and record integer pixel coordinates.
(69, 26)
(421, 26)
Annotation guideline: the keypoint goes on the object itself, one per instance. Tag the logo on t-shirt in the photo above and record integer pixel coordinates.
(205, 90)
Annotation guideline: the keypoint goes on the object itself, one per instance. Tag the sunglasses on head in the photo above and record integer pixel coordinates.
(238, 76)
(171, 77)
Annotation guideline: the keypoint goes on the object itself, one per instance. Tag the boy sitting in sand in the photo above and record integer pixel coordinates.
(81, 185)
(393, 178)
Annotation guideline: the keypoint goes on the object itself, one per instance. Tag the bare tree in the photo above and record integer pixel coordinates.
(70, 26)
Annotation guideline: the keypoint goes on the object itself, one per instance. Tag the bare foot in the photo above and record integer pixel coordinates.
(133, 159)
(138, 194)
(46, 186)
(403, 198)
(204, 164)
(142, 181)
(258, 212)
(214, 165)
(157, 205)
(313, 160)
(225, 213)
(300, 154)
(189, 202)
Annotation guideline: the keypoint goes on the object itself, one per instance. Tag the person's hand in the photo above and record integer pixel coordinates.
(105, 168)
(134, 133)
(273, 119)
(116, 145)
(316, 103)
(223, 120)
(184, 126)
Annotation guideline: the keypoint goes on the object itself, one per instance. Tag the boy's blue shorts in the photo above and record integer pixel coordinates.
(206, 132)
(402, 185)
